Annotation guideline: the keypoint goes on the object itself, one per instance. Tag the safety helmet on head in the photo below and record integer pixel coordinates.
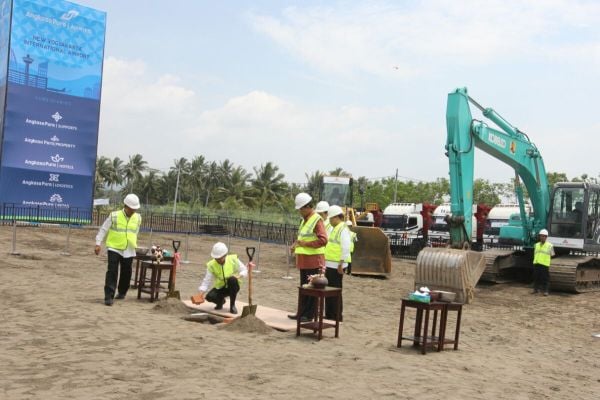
(132, 201)
(334, 211)
(219, 250)
(349, 223)
(301, 200)
(544, 232)
(322, 206)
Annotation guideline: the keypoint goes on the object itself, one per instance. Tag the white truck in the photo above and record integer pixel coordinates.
(439, 231)
(403, 225)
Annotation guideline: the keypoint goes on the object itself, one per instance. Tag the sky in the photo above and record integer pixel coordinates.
(315, 85)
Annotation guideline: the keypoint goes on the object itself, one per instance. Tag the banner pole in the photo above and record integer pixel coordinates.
(14, 251)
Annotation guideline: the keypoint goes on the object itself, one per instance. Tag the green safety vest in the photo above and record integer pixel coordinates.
(542, 254)
(123, 231)
(352, 240)
(327, 225)
(333, 250)
(306, 233)
(222, 272)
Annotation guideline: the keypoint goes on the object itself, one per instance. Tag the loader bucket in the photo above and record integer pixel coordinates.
(450, 270)
(371, 252)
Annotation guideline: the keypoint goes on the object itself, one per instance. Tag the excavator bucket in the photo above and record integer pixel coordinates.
(371, 252)
(450, 270)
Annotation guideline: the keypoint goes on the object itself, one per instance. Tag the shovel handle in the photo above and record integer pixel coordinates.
(250, 252)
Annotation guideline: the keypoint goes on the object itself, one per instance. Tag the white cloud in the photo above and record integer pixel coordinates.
(403, 40)
(163, 120)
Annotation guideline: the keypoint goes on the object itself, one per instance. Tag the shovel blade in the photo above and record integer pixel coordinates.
(249, 310)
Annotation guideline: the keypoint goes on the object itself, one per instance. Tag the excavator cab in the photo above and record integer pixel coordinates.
(574, 220)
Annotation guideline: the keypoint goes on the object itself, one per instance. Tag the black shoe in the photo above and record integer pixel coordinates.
(292, 316)
(233, 310)
(120, 296)
(108, 302)
(219, 307)
(304, 319)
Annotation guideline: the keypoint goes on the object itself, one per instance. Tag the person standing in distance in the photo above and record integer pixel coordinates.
(309, 248)
(337, 253)
(122, 227)
(542, 257)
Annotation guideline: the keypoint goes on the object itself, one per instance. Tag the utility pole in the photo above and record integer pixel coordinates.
(176, 192)
(396, 186)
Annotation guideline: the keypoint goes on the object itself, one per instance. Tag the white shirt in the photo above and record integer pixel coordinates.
(127, 253)
(209, 278)
(345, 243)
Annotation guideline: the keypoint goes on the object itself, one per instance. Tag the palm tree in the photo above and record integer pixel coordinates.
(182, 168)
(269, 185)
(340, 172)
(103, 172)
(313, 183)
(148, 188)
(212, 180)
(197, 177)
(133, 169)
(236, 190)
(225, 170)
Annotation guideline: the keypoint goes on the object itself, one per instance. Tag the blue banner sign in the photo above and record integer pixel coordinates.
(54, 80)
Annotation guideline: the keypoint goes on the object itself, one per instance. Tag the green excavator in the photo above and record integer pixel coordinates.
(457, 268)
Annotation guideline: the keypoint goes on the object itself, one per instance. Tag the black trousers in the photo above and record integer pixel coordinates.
(307, 308)
(541, 277)
(231, 289)
(334, 278)
(112, 273)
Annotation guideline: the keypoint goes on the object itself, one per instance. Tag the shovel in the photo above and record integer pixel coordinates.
(250, 309)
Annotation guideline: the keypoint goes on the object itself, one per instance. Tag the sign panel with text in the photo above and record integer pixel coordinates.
(54, 81)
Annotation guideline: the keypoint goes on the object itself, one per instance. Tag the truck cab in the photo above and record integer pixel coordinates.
(402, 218)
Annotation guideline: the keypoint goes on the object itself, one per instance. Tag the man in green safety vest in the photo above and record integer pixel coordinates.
(122, 227)
(337, 253)
(542, 256)
(224, 274)
(309, 248)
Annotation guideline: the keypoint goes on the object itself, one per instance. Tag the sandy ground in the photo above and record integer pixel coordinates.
(59, 341)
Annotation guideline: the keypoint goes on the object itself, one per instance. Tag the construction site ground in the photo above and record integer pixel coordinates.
(59, 340)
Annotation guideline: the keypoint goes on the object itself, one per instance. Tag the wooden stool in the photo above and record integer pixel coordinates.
(153, 287)
(317, 325)
(138, 260)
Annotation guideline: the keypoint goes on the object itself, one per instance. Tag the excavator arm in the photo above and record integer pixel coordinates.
(508, 145)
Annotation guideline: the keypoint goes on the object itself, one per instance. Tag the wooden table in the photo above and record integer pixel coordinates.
(317, 325)
(152, 285)
(420, 336)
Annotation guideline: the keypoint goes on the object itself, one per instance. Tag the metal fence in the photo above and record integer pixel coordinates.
(401, 245)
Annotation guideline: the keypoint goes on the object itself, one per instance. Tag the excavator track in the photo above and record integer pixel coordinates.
(497, 261)
(576, 274)
(570, 273)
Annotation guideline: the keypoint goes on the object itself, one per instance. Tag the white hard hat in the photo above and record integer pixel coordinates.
(322, 206)
(302, 199)
(349, 223)
(132, 201)
(334, 211)
(219, 250)
(544, 232)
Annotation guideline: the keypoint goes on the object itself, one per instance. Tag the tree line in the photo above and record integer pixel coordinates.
(199, 183)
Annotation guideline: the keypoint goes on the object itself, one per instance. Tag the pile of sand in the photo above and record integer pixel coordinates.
(249, 324)
(171, 306)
